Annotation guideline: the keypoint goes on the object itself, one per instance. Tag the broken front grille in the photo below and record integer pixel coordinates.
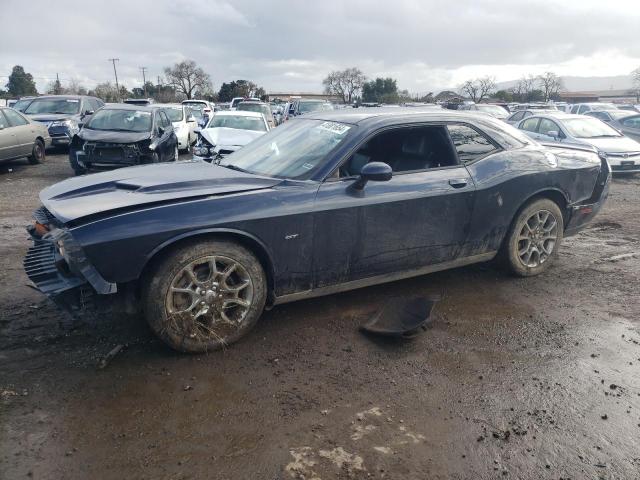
(111, 153)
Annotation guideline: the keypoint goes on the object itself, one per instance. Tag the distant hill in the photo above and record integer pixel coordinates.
(578, 84)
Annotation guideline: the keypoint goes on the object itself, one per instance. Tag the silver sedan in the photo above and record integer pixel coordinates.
(623, 153)
(22, 137)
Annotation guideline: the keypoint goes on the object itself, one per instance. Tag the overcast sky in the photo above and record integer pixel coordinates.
(293, 44)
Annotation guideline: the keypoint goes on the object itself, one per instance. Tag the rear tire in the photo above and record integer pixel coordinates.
(37, 153)
(534, 238)
(204, 296)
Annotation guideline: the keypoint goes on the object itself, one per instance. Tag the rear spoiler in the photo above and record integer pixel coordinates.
(582, 148)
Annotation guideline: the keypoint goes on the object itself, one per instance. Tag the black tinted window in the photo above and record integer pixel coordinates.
(469, 143)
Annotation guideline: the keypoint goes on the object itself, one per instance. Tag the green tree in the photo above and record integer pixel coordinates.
(504, 95)
(21, 83)
(380, 90)
(239, 88)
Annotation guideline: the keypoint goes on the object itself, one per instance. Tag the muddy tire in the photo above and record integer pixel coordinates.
(37, 153)
(204, 295)
(534, 238)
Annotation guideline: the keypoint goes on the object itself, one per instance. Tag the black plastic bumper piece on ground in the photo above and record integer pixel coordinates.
(40, 264)
(401, 317)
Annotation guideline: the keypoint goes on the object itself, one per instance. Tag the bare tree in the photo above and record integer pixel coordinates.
(551, 85)
(187, 78)
(635, 82)
(74, 88)
(524, 87)
(478, 89)
(345, 84)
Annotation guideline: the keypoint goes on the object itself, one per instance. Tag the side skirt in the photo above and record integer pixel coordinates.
(392, 277)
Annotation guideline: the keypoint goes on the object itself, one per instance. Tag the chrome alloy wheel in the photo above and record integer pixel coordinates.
(537, 238)
(209, 298)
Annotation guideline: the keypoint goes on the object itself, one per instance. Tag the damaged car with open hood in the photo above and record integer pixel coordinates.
(228, 131)
(120, 135)
(328, 202)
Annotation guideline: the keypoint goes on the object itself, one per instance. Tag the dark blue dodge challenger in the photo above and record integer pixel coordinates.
(326, 203)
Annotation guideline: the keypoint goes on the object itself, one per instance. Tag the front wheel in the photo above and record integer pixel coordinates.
(37, 153)
(534, 238)
(205, 295)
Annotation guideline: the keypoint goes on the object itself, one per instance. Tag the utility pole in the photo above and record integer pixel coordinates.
(114, 60)
(144, 80)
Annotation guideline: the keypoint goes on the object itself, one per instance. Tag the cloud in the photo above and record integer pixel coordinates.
(288, 44)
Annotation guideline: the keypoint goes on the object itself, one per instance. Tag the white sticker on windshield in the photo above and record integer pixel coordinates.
(70, 100)
(338, 128)
(307, 166)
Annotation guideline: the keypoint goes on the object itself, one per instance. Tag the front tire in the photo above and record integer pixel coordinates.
(205, 295)
(37, 153)
(534, 238)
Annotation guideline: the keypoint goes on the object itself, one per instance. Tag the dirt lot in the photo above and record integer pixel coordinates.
(518, 378)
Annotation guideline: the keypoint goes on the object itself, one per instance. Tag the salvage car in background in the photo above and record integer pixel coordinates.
(22, 137)
(21, 104)
(519, 115)
(609, 116)
(628, 126)
(227, 132)
(328, 202)
(623, 153)
(260, 107)
(123, 135)
(184, 123)
(63, 115)
(493, 110)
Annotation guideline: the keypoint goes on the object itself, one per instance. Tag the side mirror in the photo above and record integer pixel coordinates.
(89, 112)
(553, 133)
(374, 171)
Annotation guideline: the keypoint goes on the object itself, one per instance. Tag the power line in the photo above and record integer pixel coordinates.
(114, 60)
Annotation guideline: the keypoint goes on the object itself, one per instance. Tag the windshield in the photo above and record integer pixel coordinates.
(294, 150)
(68, 106)
(120, 121)
(240, 122)
(20, 105)
(493, 110)
(305, 107)
(589, 128)
(252, 107)
(235, 102)
(174, 113)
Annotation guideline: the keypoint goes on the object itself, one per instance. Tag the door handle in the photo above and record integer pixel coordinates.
(458, 182)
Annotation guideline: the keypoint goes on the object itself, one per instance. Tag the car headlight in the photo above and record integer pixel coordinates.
(69, 124)
(202, 151)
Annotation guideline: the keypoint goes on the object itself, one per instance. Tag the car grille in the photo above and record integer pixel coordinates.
(111, 153)
(40, 265)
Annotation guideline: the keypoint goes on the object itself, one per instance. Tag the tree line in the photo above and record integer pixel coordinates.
(184, 80)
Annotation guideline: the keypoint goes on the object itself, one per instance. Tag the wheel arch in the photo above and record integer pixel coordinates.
(247, 240)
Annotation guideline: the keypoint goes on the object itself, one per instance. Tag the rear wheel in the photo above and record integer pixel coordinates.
(205, 296)
(37, 152)
(534, 238)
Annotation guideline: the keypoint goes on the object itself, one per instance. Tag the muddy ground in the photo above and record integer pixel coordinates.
(517, 378)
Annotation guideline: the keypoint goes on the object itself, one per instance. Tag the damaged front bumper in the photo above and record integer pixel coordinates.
(58, 267)
(95, 155)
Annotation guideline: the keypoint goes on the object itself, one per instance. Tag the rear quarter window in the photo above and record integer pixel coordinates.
(469, 143)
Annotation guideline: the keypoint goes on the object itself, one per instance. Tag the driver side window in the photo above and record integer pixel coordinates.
(405, 149)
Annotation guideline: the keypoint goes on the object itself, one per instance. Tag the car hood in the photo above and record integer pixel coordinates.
(614, 144)
(229, 136)
(133, 187)
(112, 137)
(50, 117)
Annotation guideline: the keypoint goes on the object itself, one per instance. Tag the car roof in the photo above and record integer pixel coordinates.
(556, 116)
(57, 96)
(393, 115)
(241, 113)
(129, 106)
(161, 105)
